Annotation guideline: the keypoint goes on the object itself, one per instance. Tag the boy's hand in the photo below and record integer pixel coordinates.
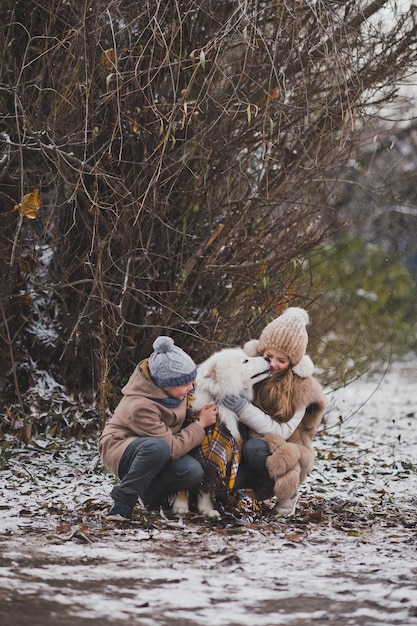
(207, 416)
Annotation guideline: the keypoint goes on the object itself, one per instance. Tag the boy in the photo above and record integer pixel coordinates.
(144, 443)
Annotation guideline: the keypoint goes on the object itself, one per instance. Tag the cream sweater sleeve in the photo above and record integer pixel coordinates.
(261, 423)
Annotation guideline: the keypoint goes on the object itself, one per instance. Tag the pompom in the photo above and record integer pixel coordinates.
(251, 347)
(163, 344)
(304, 368)
(301, 314)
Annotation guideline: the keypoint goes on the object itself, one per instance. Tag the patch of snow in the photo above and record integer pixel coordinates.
(361, 574)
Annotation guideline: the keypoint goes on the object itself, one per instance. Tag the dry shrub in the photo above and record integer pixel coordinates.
(179, 148)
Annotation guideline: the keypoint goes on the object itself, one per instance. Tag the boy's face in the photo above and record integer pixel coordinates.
(179, 392)
(278, 360)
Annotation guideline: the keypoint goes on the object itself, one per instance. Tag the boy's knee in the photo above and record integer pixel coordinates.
(157, 447)
(189, 469)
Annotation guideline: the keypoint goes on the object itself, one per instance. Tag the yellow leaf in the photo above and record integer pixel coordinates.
(249, 111)
(30, 205)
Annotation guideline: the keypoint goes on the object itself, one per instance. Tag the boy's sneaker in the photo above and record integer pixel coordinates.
(119, 512)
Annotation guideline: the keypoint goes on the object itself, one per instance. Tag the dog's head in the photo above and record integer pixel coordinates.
(231, 371)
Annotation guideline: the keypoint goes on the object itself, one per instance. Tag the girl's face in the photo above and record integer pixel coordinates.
(179, 392)
(278, 360)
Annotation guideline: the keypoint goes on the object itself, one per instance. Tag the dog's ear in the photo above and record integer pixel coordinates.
(212, 373)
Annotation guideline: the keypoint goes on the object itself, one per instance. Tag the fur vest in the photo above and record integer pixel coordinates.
(291, 461)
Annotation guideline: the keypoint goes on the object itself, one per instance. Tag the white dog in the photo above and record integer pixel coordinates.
(227, 372)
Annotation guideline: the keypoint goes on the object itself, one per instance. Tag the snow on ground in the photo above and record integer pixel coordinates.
(348, 557)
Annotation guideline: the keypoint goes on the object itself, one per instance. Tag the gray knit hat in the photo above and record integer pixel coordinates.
(170, 366)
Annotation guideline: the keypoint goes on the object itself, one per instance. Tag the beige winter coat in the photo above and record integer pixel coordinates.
(292, 460)
(138, 414)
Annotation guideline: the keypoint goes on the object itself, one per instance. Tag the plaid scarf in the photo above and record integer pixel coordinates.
(219, 455)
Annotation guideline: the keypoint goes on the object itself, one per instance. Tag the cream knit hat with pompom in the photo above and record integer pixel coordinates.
(287, 334)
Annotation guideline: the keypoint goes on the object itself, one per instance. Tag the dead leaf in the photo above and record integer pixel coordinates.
(202, 59)
(108, 58)
(64, 528)
(283, 302)
(30, 205)
(27, 433)
(68, 532)
(293, 536)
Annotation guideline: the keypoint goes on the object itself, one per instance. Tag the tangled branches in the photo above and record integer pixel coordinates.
(179, 149)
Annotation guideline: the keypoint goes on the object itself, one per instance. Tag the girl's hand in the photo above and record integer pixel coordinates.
(207, 416)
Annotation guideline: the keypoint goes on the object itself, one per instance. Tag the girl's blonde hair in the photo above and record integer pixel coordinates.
(273, 395)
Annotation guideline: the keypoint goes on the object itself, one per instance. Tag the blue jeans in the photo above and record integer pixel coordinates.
(146, 472)
(253, 473)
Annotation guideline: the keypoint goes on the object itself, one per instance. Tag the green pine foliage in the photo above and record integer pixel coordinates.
(366, 313)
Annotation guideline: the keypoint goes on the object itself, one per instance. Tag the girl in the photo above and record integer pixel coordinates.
(289, 406)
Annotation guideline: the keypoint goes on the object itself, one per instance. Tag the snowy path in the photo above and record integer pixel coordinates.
(348, 557)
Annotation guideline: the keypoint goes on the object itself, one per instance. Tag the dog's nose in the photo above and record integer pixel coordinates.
(267, 359)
